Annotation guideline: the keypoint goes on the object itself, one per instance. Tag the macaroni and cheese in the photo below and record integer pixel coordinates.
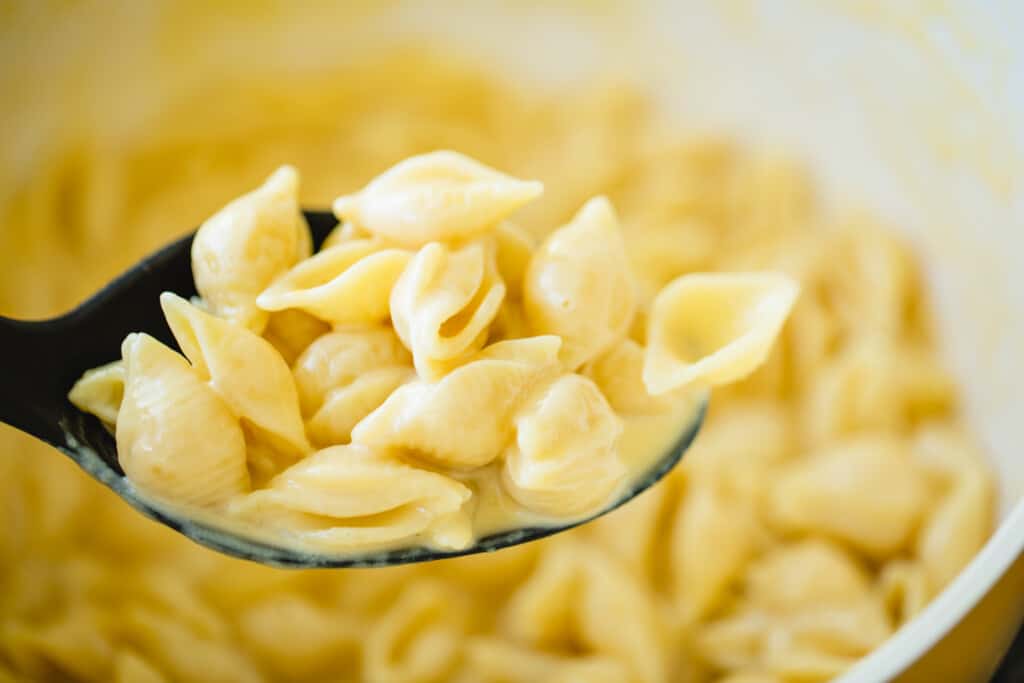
(738, 567)
(474, 436)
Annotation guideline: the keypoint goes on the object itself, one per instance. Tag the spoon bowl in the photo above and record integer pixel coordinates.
(42, 360)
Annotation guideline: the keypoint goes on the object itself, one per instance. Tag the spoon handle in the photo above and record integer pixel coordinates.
(29, 357)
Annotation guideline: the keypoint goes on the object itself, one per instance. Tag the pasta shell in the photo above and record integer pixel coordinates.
(515, 249)
(336, 360)
(825, 494)
(578, 285)
(564, 460)
(619, 374)
(958, 526)
(243, 368)
(806, 574)
(736, 642)
(709, 517)
(904, 589)
(711, 329)
(176, 438)
(291, 331)
(510, 323)
(440, 196)
(242, 248)
(580, 597)
(347, 284)
(444, 302)
(348, 497)
(346, 405)
(463, 420)
(100, 391)
(318, 639)
(420, 637)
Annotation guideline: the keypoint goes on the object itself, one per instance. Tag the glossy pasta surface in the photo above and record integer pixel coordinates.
(736, 569)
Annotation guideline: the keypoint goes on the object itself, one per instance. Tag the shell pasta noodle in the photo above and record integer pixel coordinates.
(762, 558)
(474, 438)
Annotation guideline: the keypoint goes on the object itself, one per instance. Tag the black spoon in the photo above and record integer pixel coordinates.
(42, 360)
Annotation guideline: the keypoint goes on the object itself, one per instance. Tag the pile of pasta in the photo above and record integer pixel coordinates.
(830, 496)
(456, 351)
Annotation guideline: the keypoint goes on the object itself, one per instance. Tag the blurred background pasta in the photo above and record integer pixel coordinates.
(827, 500)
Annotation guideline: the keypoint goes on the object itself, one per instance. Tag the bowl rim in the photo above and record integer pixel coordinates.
(911, 642)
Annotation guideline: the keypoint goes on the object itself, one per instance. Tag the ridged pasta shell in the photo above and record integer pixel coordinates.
(100, 391)
(578, 285)
(444, 302)
(347, 497)
(246, 245)
(440, 196)
(337, 359)
(564, 460)
(346, 405)
(176, 438)
(347, 284)
(463, 420)
(243, 368)
(711, 329)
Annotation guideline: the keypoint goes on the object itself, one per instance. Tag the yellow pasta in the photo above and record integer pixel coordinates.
(433, 197)
(353, 497)
(419, 638)
(345, 375)
(100, 392)
(619, 374)
(245, 246)
(346, 284)
(176, 438)
(244, 369)
(514, 247)
(826, 493)
(506, 418)
(94, 592)
(418, 415)
(713, 329)
(554, 470)
(291, 332)
(578, 285)
(443, 304)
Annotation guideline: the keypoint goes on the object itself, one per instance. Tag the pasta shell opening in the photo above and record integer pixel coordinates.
(710, 329)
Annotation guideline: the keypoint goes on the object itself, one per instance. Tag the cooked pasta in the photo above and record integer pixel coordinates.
(100, 392)
(158, 444)
(578, 285)
(354, 496)
(510, 419)
(244, 369)
(708, 576)
(444, 303)
(347, 284)
(248, 244)
(441, 196)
